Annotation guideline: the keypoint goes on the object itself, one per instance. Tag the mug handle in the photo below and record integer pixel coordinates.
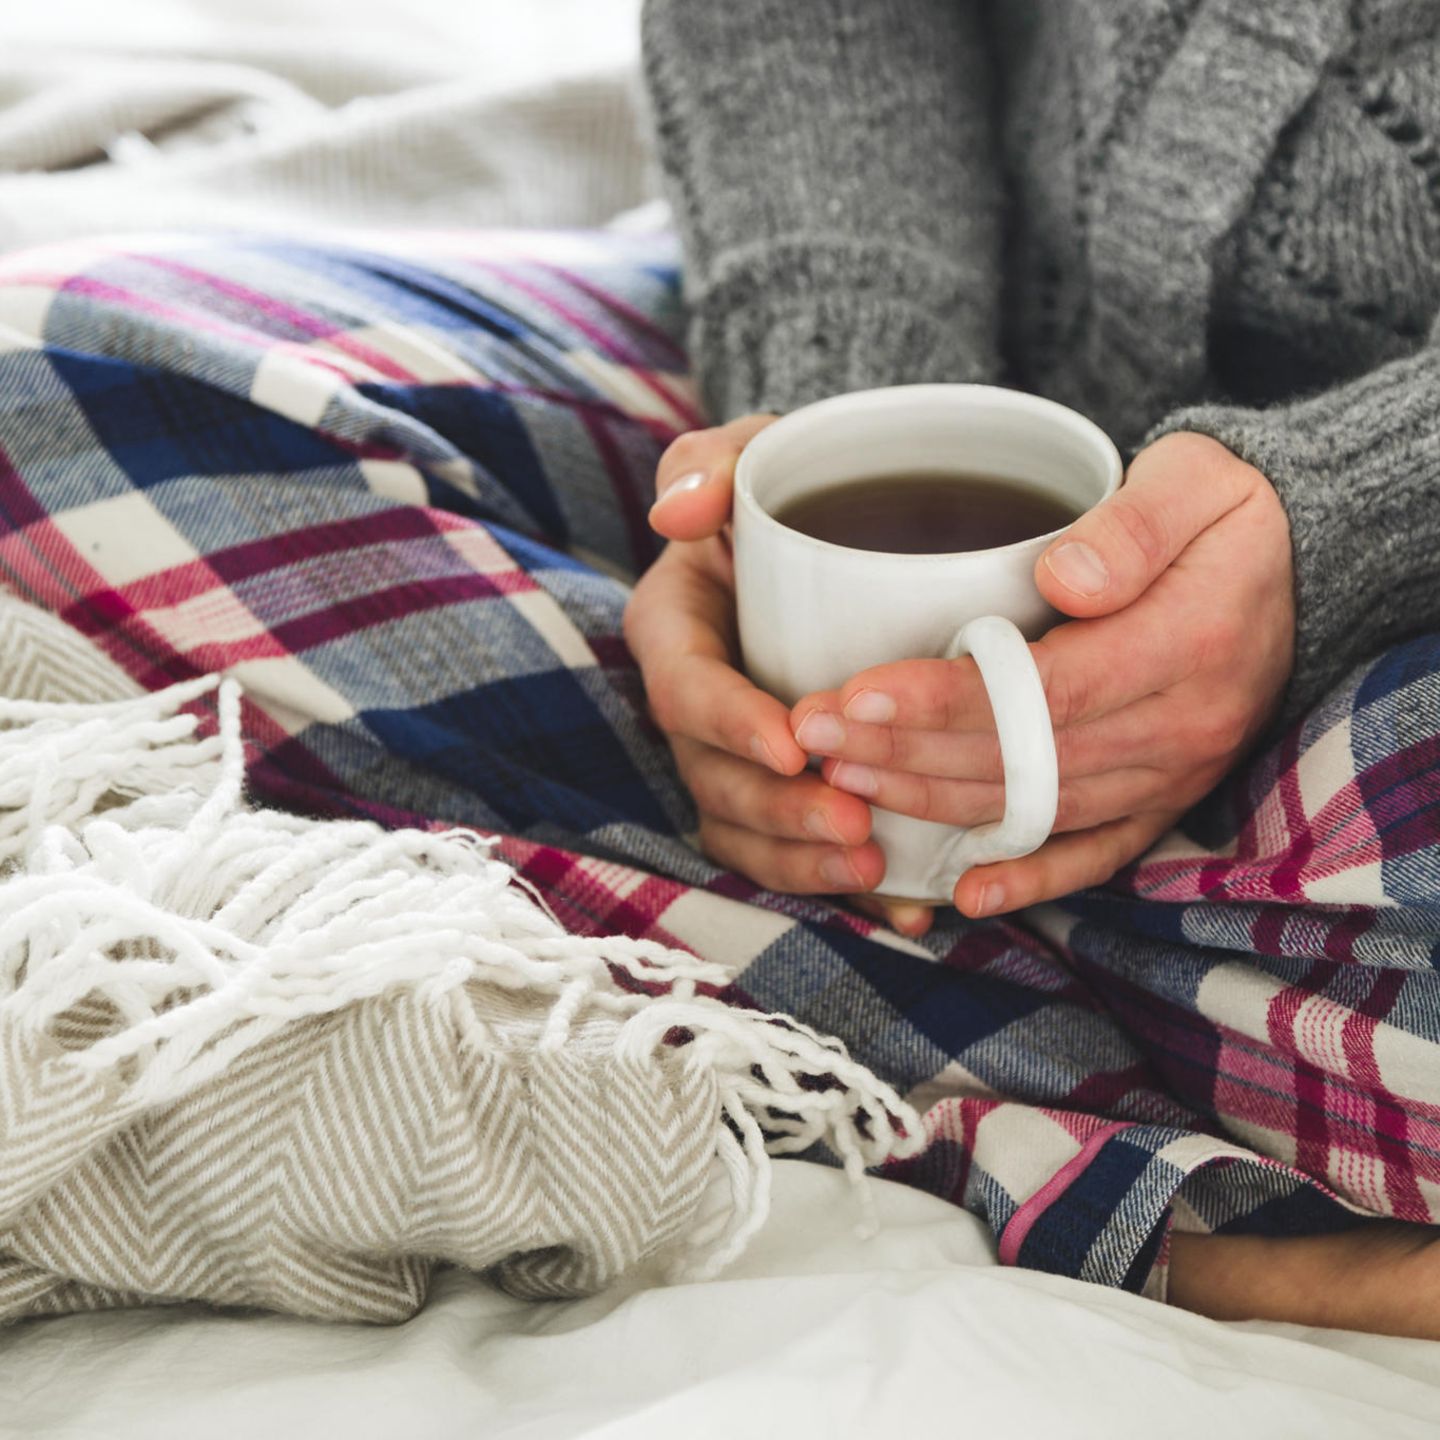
(1027, 747)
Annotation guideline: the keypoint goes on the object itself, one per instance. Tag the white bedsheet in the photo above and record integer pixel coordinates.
(813, 1334)
(122, 115)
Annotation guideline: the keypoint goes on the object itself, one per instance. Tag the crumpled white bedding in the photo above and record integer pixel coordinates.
(155, 114)
(812, 1333)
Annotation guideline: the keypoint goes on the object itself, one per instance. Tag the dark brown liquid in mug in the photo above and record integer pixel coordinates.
(927, 512)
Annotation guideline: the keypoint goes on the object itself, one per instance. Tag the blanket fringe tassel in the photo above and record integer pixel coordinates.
(133, 875)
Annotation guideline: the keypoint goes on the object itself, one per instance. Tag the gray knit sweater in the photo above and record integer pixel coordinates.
(1213, 215)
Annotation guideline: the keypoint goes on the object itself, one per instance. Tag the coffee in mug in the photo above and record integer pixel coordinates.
(928, 512)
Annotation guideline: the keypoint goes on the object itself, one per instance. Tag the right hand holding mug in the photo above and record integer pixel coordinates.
(761, 812)
(1183, 639)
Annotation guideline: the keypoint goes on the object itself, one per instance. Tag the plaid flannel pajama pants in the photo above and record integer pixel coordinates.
(394, 485)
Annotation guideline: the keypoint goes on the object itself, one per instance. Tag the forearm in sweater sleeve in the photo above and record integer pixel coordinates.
(1358, 471)
(832, 170)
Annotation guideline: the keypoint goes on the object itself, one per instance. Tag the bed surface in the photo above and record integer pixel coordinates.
(813, 1333)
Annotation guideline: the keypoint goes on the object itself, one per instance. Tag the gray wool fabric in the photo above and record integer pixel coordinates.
(1208, 215)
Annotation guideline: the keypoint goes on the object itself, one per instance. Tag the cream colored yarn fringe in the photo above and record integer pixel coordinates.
(122, 834)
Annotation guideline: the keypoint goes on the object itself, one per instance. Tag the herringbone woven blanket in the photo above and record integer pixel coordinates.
(268, 1061)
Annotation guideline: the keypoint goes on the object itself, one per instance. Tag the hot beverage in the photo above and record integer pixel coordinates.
(928, 512)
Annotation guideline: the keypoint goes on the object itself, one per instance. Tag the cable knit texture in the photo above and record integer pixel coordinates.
(1172, 214)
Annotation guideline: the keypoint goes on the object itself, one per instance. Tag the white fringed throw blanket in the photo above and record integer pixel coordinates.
(268, 1061)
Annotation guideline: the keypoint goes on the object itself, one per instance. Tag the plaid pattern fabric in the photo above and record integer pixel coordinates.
(395, 486)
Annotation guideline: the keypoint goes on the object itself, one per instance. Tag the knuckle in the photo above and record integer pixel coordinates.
(945, 694)
(1067, 750)
(1215, 639)
(1067, 691)
(713, 841)
(699, 782)
(917, 798)
(1141, 527)
(1227, 729)
(1237, 731)
(798, 871)
(893, 748)
(663, 708)
(1032, 881)
(744, 428)
(931, 802)
(686, 451)
(1068, 809)
(777, 805)
(1199, 456)
(990, 763)
(684, 448)
(734, 732)
(745, 855)
(1126, 842)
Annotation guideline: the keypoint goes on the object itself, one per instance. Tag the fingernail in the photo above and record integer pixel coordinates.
(992, 897)
(764, 754)
(1077, 567)
(820, 825)
(906, 918)
(857, 779)
(871, 707)
(820, 732)
(837, 870)
(683, 486)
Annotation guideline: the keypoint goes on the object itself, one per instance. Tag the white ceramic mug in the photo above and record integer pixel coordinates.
(813, 614)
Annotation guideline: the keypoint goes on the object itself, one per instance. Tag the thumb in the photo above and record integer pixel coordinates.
(1112, 554)
(695, 477)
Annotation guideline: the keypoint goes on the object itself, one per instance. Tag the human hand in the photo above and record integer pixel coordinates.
(1183, 639)
(761, 811)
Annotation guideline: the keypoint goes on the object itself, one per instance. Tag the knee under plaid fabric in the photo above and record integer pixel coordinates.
(393, 484)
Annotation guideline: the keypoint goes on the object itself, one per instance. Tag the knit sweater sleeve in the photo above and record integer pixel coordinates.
(1358, 471)
(834, 179)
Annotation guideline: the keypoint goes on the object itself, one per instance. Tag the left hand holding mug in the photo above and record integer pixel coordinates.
(1183, 638)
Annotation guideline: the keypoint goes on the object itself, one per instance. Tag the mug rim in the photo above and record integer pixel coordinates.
(880, 399)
